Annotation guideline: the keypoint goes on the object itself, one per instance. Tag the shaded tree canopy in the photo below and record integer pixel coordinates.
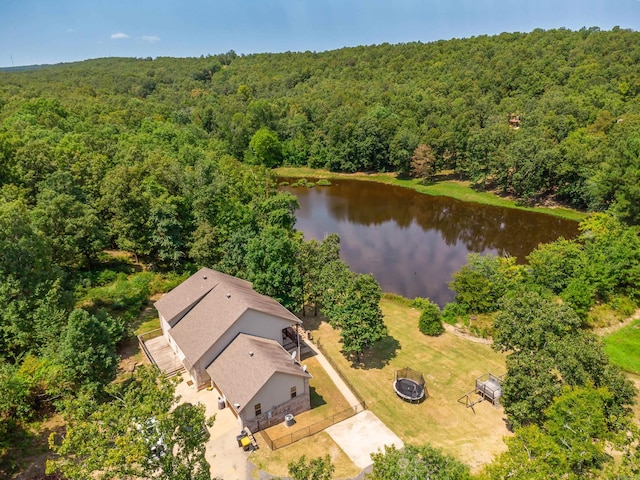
(416, 462)
(135, 435)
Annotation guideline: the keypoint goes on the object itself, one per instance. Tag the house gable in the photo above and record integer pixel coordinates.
(213, 322)
(175, 304)
(275, 391)
(248, 365)
(204, 314)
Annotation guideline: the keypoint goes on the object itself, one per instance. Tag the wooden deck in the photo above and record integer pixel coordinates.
(161, 355)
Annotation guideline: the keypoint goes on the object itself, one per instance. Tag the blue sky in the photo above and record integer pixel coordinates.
(53, 31)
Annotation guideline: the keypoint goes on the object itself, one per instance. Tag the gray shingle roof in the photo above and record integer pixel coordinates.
(240, 375)
(211, 303)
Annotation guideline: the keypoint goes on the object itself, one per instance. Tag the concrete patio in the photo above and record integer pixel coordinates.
(227, 460)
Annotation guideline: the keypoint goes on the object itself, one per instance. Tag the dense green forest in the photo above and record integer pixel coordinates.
(366, 108)
(169, 159)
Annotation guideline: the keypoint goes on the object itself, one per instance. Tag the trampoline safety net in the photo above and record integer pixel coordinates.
(410, 375)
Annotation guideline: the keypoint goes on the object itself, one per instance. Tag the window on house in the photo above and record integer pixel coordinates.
(258, 408)
(293, 391)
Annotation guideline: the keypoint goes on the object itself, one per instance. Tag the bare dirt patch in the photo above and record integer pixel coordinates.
(35, 451)
(614, 328)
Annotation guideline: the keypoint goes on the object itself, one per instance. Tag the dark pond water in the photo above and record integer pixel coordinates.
(413, 243)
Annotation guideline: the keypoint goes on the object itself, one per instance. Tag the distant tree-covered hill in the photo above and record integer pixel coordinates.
(543, 114)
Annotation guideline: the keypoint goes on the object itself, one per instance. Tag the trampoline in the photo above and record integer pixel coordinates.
(409, 385)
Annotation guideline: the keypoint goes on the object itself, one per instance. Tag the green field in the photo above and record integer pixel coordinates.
(623, 347)
(460, 190)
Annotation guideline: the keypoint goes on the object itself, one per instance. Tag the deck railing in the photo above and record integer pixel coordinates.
(148, 336)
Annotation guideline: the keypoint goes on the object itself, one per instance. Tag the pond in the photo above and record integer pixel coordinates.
(412, 243)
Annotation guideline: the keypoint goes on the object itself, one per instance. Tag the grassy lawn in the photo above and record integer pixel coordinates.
(623, 347)
(318, 445)
(148, 320)
(326, 400)
(449, 365)
(460, 190)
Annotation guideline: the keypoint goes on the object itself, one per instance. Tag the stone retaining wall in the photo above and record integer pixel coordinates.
(299, 404)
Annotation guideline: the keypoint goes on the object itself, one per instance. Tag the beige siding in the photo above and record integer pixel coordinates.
(164, 325)
(275, 392)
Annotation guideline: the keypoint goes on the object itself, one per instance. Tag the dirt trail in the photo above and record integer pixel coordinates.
(613, 328)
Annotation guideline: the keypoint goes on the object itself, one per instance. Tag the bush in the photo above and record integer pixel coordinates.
(323, 182)
(399, 299)
(454, 313)
(623, 305)
(420, 303)
(430, 322)
(580, 295)
(301, 182)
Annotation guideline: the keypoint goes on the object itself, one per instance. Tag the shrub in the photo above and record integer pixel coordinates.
(420, 303)
(454, 313)
(580, 295)
(623, 305)
(323, 182)
(430, 322)
(105, 277)
(301, 182)
(394, 297)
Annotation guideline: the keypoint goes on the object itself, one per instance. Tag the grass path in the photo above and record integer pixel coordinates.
(460, 190)
(622, 343)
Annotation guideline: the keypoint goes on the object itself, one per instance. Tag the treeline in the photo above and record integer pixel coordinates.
(569, 406)
(544, 114)
(80, 177)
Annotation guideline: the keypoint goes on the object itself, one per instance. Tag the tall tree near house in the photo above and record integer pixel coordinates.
(127, 205)
(167, 225)
(351, 302)
(141, 432)
(312, 257)
(87, 351)
(362, 322)
(272, 267)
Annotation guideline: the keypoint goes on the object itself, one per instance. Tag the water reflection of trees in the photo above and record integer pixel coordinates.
(478, 227)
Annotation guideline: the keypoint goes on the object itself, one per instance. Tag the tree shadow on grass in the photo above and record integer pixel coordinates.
(311, 322)
(317, 400)
(28, 449)
(379, 355)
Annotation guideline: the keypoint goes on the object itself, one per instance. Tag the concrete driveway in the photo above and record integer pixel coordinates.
(362, 435)
(227, 460)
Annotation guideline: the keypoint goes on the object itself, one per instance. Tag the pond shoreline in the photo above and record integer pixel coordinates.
(457, 189)
(413, 243)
